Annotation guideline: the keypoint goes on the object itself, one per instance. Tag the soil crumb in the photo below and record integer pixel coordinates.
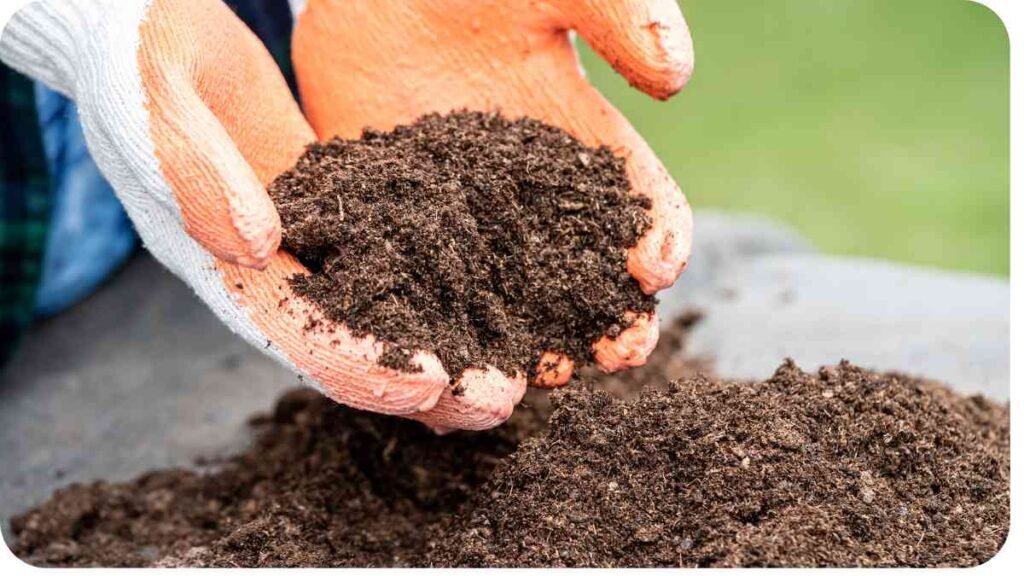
(841, 468)
(481, 239)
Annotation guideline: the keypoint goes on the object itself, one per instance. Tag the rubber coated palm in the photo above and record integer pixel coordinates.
(381, 63)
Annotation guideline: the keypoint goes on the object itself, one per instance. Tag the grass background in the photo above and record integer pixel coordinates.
(875, 127)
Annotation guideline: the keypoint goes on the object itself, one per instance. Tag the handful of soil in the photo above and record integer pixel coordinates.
(841, 468)
(480, 239)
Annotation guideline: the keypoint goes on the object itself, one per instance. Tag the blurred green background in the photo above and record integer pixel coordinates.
(875, 127)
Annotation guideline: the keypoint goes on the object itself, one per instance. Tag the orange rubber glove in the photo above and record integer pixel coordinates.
(189, 119)
(381, 63)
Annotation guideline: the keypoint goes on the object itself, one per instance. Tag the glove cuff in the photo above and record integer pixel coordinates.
(48, 40)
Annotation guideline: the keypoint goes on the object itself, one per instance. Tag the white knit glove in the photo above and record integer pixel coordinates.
(189, 118)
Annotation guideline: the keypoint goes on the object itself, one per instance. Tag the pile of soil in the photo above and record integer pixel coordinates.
(481, 239)
(840, 468)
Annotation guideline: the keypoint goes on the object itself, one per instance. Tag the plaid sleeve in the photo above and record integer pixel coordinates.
(24, 207)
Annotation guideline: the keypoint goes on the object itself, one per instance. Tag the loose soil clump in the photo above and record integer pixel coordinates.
(481, 239)
(841, 468)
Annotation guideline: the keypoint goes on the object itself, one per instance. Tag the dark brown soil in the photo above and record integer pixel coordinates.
(841, 468)
(323, 485)
(484, 240)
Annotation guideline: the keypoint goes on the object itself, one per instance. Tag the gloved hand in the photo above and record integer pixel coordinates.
(381, 63)
(189, 118)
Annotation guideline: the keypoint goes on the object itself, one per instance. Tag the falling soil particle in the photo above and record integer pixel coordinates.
(483, 240)
(842, 468)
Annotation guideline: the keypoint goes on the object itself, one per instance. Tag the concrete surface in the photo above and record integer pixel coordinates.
(819, 310)
(143, 376)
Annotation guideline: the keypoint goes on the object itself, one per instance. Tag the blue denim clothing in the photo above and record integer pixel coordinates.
(89, 233)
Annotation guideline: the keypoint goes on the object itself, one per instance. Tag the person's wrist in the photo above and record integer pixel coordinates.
(46, 39)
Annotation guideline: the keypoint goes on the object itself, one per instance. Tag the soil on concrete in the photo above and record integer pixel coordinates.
(844, 467)
(481, 239)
